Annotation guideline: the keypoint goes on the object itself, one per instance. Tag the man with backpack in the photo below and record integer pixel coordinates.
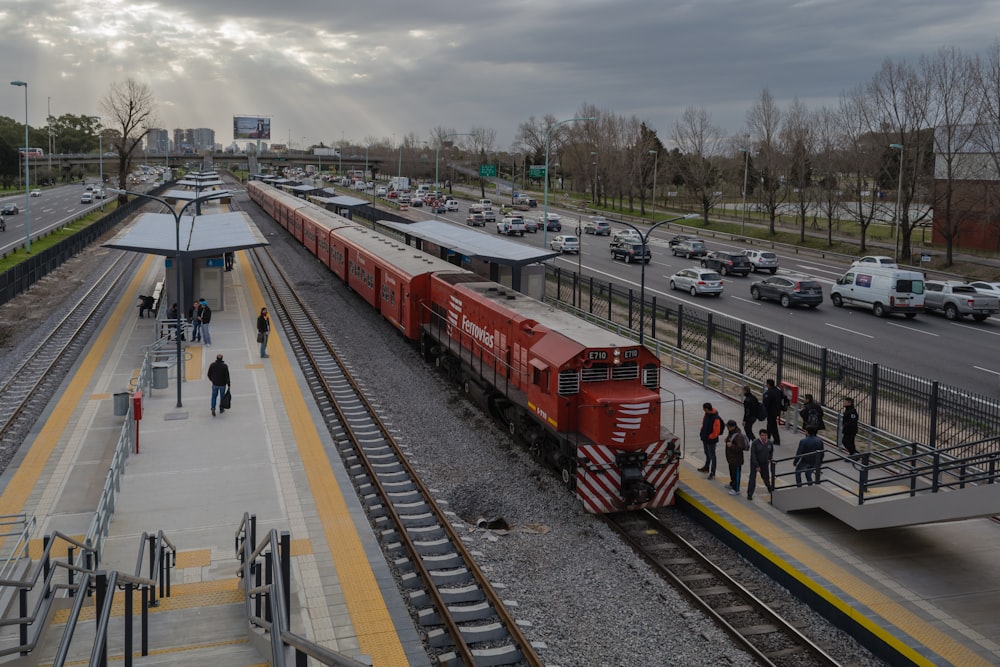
(761, 454)
(736, 444)
(752, 409)
(775, 402)
(711, 429)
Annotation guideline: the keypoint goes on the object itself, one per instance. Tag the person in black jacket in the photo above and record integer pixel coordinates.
(850, 427)
(750, 407)
(263, 331)
(218, 375)
(711, 429)
(773, 401)
(761, 454)
(808, 458)
(812, 414)
(205, 317)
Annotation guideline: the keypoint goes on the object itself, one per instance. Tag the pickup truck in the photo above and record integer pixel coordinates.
(511, 225)
(957, 300)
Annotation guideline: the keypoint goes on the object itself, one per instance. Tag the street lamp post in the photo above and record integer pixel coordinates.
(746, 170)
(899, 201)
(437, 155)
(545, 199)
(27, 176)
(656, 164)
(177, 261)
(642, 279)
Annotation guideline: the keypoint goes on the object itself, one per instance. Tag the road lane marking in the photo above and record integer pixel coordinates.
(986, 370)
(901, 326)
(977, 328)
(857, 333)
(809, 267)
(750, 301)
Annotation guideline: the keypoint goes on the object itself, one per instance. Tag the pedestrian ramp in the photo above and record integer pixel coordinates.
(902, 486)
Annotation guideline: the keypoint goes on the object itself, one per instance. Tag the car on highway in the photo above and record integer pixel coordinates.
(36, 193)
(696, 280)
(439, 208)
(531, 225)
(986, 287)
(762, 260)
(9, 209)
(689, 248)
(87, 198)
(452, 204)
(875, 260)
(683, 237)
(727, 263)
(625, 235)
(476, 220)
(490, 215)
(417, 202)
(629, 251)
(565, 243)
(788, 291)
(597, 226)
(553, 223)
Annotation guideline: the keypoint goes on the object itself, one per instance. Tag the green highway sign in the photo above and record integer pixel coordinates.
(486, 170)
(536, 171)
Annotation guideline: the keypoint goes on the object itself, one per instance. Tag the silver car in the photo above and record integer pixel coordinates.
(565, 243)
(762, 260)
(697, 281)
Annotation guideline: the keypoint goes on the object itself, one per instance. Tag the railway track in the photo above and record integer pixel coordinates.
(28, 389)
(461, 615)
(757, 628)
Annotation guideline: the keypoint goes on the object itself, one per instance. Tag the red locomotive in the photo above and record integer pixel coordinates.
(584, 399)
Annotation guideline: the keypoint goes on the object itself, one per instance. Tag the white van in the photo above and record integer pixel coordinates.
(883, 289)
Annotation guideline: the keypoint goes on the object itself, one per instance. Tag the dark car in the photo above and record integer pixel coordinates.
(788, 291)
(690, 248)
(682, 237)
(727, 263)
(417, 202)
(9, 209)
(629, 251)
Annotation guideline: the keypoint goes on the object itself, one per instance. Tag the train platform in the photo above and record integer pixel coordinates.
(922, 595)
(194, 477)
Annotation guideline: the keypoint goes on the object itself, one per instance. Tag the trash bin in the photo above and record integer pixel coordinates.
(160, 375)
(121, 404)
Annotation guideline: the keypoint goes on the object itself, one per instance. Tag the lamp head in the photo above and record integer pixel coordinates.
(19, 83)
(896, 146)
(653, 152)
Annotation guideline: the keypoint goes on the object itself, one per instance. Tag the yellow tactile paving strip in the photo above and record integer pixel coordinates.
(895, 614)
(192, 368)
(301, 547)
(138, 654)
(182, 596)
(194, 558)
(372, 623)
(16, 495)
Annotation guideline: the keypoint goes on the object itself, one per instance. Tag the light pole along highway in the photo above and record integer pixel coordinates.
(642, 280)
(437, 156)
(197, 201)
(545, 199)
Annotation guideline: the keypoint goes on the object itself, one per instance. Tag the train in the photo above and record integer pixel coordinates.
(583, 399)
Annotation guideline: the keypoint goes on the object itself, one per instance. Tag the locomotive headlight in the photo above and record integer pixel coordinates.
(617, 357)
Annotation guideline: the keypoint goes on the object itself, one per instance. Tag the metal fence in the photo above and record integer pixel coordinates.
(911, 408)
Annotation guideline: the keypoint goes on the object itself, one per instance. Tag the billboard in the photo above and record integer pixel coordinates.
(251, 127)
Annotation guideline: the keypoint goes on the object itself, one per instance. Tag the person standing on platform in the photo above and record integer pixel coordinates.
(230, 257)
(849, 428)
(773, 401)
(736, 444)
(751, 406)
(218, 375)
(812, 414)
(196, 321)
(761, 454)
(711, 429)
(808, 457)
(205, 317)
(263, 331)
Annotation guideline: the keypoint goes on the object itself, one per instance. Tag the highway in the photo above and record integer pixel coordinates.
(964, 353)
(53, 208)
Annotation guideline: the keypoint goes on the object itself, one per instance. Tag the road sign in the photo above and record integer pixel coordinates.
(487, 170)
(536, 171)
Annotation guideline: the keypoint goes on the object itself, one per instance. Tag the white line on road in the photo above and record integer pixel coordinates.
(809, 267)
(977, 328)
(901, 326)
(857, 333)
(750, 301)
(986, 370)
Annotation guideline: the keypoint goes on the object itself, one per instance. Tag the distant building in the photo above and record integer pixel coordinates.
(975, 199)
(191, 140)
(157, 141)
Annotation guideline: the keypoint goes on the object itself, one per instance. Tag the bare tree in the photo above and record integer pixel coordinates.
(764, 124)
(483, 140)
(129, 109)
(797, 139)
(700, 143)
(530, 137)
(828, 166)
(862, 153)
(988, 137)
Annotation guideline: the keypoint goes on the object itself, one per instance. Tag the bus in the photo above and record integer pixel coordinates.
(31, 152)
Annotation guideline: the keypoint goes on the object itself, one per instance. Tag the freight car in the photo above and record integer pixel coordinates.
(584, 400)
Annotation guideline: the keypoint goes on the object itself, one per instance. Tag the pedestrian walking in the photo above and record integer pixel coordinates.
(849, 428)
(812, 413)
(711, 430)
(736, 444)
(761, 455)
(751, 408)
(145, 305)
(173, 321)
(808, 457)
(196, 321)
(263, 331)
(218, 375)
(230, 258)
(774, 401)
(205, 317)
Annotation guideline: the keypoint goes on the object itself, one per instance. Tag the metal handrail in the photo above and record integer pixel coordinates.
(20, 547)
(276, 572)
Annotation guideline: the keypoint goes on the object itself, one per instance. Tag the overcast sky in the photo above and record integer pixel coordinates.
(377, 68)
